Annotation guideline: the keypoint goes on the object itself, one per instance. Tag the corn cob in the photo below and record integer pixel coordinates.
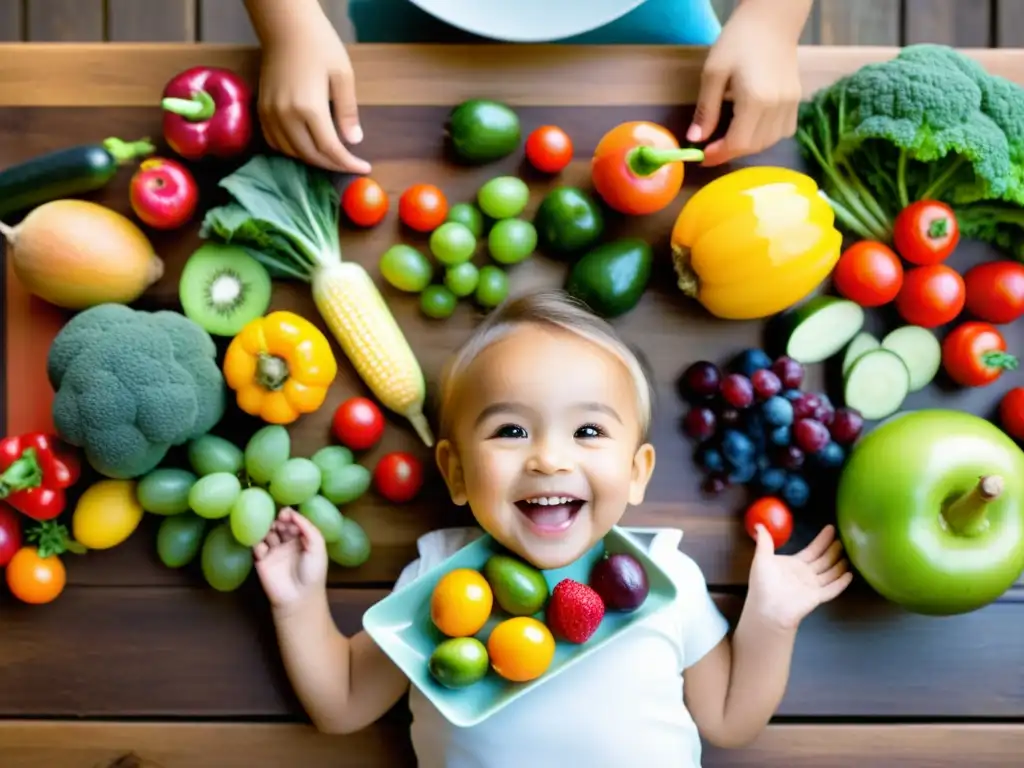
(356, 314)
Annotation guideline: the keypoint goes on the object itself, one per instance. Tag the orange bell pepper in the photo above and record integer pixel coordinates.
(637, 167)
(280, 367)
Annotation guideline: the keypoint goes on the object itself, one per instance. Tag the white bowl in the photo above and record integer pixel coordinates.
(527, 21)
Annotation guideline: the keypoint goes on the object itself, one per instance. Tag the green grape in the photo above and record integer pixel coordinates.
(452, 243)
(179, 539)
(226, 564)
(493, 286)
(503, 197)
(332, 457)
(468, 215)
(352, 548)
(267, 450)
(212, 496)
(164, 491)
(406, 268)
(438, 302)
(511, 241)
(295, 481)
(343, 485)
(252, 514)
(209, 453)
(461, 279)
(324, 515)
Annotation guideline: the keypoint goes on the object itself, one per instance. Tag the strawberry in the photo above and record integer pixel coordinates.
(574, 611)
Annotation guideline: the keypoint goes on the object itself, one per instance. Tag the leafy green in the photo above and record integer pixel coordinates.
(284, 212)
(930, 123)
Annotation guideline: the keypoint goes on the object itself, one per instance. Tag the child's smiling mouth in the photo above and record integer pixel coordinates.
(550, 514)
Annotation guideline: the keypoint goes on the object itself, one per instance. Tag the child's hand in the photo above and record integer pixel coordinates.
(300, 74)
(755, 59)
(783, 589)
(292, 560)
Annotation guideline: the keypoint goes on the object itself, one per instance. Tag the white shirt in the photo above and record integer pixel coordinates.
(621, 707)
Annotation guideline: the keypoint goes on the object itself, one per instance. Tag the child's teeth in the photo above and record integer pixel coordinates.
(549, 500)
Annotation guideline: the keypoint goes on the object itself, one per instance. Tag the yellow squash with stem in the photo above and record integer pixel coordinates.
(287, 215)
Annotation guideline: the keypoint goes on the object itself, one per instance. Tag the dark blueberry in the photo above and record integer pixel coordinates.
(831, 456)
(714, 484)
(780, 436)
(737, 448)
(729, 417)
(750, 360)
(771, 479)
(756, 429)
(763, 461)
(792, 394)
(743, 474)
(795, 491)
(791, 457)
(710, 459)
(777, 411)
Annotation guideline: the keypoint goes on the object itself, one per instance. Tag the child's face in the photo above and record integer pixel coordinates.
(545, 444)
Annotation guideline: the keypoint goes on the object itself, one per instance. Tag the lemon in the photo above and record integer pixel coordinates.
(107, 513)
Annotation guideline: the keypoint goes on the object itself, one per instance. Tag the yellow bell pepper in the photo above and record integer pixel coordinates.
(754, 242)
(280, 367)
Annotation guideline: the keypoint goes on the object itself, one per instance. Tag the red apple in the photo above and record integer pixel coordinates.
(163, 193)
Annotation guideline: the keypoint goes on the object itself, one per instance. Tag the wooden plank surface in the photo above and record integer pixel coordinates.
(859, 22)
(12, 20)
(65, 20)
(166, 21)
(952, 22)
(40, 744)
(1009, 23)
(225, 21)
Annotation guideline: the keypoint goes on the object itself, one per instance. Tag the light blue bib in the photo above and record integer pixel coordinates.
(654, 22)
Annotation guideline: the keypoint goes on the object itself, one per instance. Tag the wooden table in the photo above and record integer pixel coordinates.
(135, 659)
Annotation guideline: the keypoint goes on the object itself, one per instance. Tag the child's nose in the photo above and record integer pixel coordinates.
(550, 457)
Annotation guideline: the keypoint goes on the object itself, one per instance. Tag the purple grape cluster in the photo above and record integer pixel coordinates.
(756, 427)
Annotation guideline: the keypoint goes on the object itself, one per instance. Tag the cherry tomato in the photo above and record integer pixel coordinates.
(365, 202)
(868, 273)
(358, 423)
(398, 476)
(10, 534)
(549, 149)
(974, 354)
(34, 579)
(1011, 413)
(995, 291)
(930, 296)
(926, 232)
(423, 207)
(774, 515)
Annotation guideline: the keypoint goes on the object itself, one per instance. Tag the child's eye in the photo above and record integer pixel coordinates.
(510, 431)
(590, 430)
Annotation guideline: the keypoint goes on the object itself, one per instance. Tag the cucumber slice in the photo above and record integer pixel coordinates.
(821, 327)
(920, 351)
(877, 384)
(862, 342)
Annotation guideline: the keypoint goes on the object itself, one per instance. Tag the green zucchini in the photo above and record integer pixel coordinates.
(65, 173)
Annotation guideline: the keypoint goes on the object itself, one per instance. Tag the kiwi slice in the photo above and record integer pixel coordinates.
(222, 288)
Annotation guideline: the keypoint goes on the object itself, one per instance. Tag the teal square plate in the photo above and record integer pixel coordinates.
(400, 624)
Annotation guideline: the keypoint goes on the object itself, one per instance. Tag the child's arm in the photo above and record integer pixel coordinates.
(733, 691)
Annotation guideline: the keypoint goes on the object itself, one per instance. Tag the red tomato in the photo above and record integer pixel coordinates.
(365, 202)
(931, 296)
(398, 476)
(974, 354)
(549, 149)
(774, 515)
(926, 232)
(358, 423)
(1011, 413)
(995, 291)
(423, 207)
(10, 534)
(34, 579)
(868, 273)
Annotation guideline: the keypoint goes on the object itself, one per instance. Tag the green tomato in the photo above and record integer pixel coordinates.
(462, 279)
(469, 216)
(452, 243)
(511, 241)
(438, 302)
(503, 197)
(405, 268)
(492, 289)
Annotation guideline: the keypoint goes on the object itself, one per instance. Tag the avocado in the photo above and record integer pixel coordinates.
(459, 662)
(612, 277)
(482, 130)
(567, 220)
(519, 588)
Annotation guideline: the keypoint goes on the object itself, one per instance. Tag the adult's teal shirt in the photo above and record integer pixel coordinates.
(654, 22)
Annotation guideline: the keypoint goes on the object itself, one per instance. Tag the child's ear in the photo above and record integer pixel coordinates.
(451, 469)
(643, 467)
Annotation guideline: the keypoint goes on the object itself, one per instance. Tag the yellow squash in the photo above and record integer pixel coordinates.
(280, 367)
(754, 242)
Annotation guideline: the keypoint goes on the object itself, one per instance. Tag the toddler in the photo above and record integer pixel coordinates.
(544, 420)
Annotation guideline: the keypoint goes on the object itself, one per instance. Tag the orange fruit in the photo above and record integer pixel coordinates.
(461, 603)
(521, 649)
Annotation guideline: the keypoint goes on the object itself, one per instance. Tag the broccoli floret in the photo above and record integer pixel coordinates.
(131, 384)
(928, 124)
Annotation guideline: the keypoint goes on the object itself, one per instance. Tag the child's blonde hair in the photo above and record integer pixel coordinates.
(552, 308)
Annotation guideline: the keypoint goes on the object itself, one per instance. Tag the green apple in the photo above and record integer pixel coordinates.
(930, 509)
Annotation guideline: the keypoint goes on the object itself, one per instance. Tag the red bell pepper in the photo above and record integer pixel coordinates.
(34, 474)
(207, 112)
